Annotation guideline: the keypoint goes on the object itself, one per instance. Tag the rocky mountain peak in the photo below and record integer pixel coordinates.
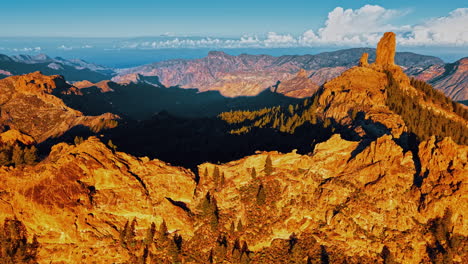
(363, 61)
(217, 54)
(37, 83)
(385, 54)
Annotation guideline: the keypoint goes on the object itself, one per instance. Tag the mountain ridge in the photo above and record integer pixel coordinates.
(73, 70)
(370, 188)
(249, 74)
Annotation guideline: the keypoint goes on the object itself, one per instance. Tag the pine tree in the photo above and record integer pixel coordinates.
(78, 140)
(292, 241)
(162, 232)
(111, 145)
(30, 155)
(18, 155)
(268, 165)
(240, 227)
(150, 234)
(178, 241)
(216, 175)
(254, 173)
(4, 158)
(222, 181)
(232, 229)
(210, 257)
(261, 195)
(236, 251)
(244, 259)
(123, 235)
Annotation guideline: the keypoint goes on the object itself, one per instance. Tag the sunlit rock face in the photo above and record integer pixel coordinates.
(28, 104)
(365, 201)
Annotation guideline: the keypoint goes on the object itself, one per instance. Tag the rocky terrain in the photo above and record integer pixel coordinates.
(451, 78)
(243, 75)
(353, 207)
(28, 103)
(368, 193)
(251, 74)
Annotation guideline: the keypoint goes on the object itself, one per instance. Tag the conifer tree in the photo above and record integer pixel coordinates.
(240, 227)
(111, 145)
(18, 155)
(261, 195)
(150, 234)
(78, 140)
(222, 181)
(4, 158)
(30, 155)
(254, 173)
(162, 232)
(178, 241)
(216, 175)
(232, 229)
(268, 165)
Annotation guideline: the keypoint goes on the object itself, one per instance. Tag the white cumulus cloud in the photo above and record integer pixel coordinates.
(343, 27)
(350, 26)
(448, 30)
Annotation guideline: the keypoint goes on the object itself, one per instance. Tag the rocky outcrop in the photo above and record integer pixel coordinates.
(83, 84)
(28, 104)
(79, 198)
(444, 166)
(365, 201)
(364, 89)
(300, 86)
(103, 86)
(363, 60)
(386, 48)
(356, 201)
(360, 89)
(13, 136)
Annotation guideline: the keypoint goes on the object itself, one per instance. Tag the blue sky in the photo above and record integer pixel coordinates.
(117, 18)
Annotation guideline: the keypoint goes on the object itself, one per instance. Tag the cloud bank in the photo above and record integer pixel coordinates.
(343, 27)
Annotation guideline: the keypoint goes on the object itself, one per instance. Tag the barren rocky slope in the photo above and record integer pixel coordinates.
(366, 201)
(28, 104)
(251, 74)
(354, 207)
(454, 81)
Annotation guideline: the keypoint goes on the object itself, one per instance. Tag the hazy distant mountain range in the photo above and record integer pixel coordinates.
(248, 75)
(72, 70)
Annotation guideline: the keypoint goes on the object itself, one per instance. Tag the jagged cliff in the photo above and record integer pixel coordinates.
(28, 103)
(372, 200)
(356, 202)
(77, 199)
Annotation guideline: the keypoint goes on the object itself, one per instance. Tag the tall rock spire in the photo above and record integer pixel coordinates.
(385, 54)
(363, 60)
